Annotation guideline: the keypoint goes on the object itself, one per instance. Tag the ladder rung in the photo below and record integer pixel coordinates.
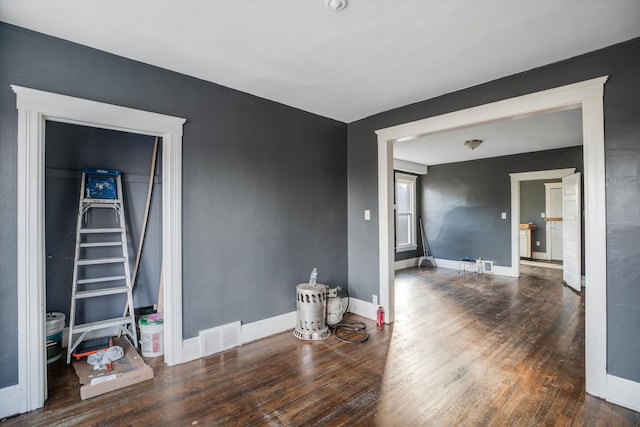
(101, 292)
(100, 230)
(101, 279)
(101, 201)
(99, 244)
(102, 324)
(101, 261)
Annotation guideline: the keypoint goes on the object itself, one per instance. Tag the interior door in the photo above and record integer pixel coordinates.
(556, 237)
(571, 247)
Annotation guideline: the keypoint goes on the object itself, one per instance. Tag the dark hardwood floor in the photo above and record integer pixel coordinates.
(465, 350)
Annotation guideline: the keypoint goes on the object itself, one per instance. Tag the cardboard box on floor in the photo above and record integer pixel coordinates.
(128, 370)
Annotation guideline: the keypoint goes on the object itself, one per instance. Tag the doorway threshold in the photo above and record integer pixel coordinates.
(544, 264)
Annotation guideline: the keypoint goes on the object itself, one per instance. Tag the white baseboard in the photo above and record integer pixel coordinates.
(11, 401)
(542, 264)
(363, 308)
(447, 263)
(455, 265)
(540, 255)
(266, 327)
(405, 263)
(623, 392)
(192, 347)
(503, 271)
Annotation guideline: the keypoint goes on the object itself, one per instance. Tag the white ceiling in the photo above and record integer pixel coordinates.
(535, 133)
(371, 57)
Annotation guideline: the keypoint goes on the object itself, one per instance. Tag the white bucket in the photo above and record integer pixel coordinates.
(55, 326)
(152, 335)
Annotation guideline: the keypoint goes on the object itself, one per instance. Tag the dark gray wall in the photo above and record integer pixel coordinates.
(463, 202)
(69, 148)
(399, 256)
(264, 185)
(532, 203)
(622, 150)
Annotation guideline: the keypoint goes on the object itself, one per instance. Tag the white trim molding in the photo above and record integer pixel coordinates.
(411, 167)
(405, 263)
(35, 108)
(540, 255)
(587, 95)
(623, 392)
(11, 398)
(267, 327)
(411, 180)
(386, 228)
(365, 309)
(193, 349)
(190, 349)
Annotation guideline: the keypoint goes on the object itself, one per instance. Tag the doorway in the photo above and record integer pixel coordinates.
(537, 218)
(553, 211)
(587, 95)
(35, 108)
(68, 149)
(516, 180)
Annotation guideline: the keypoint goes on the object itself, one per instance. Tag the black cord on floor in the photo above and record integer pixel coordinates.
(352, 326)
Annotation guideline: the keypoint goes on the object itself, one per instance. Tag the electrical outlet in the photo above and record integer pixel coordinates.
(367, 215)
(537, 242)
(542, 215)
(375, 300)
(504, 215)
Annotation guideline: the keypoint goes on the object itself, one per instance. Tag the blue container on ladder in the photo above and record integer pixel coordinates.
(101, 183)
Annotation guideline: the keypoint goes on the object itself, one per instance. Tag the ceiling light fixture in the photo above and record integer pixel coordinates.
(472, 143)
(336, 4)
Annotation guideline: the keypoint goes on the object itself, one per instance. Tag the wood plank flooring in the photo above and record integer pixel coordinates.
(465, 350)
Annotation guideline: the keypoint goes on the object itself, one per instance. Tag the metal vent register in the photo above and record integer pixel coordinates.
(311, 304)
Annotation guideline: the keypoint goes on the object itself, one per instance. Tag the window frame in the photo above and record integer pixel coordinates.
(413, 235)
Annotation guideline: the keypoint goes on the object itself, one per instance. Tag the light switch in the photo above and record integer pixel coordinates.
(504, 215)
(367, 214)
(542, 215)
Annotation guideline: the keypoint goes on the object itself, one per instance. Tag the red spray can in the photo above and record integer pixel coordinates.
(380, 317)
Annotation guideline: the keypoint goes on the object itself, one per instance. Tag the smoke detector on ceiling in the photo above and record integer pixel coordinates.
(336, 4)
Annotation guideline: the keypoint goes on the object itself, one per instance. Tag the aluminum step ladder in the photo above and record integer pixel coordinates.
(100, 189)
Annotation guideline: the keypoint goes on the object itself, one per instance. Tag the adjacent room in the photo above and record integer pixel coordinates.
(461, 197)
(285, 213)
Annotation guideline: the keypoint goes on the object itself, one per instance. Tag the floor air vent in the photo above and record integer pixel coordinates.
(218, 339)
(487, 266)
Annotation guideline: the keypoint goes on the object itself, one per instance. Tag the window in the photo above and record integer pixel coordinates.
(405, 212)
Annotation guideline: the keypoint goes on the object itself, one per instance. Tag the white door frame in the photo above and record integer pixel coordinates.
(35, 107)
(587, 95)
